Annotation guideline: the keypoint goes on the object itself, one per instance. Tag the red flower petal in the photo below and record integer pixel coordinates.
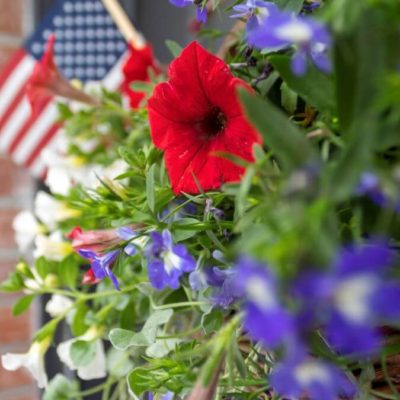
(196, 114)
(136, 69)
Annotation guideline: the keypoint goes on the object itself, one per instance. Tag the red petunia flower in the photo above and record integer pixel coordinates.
(47, 81)
(196, 114)
(136, 69)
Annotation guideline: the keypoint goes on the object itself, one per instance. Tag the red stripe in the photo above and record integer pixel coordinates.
(42, 144)
(9, 68)
(11, 108)
(25, 128)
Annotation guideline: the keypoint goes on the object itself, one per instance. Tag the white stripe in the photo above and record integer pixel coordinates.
(115, 77)
(39, 164)
(35, 134)
(15, 82)
(17, 119)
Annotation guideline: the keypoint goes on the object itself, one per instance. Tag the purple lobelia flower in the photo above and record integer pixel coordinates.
(265, 319)
(308, 8)
(299, 376)
(281, 29)
(254, 11)
(102, 263)
(353, 298)
(166, 396)
(370, 186)
(201, 13)
(167, 262)
(136, 241)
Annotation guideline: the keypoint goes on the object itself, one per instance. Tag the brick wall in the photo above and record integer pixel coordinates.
(16, 190)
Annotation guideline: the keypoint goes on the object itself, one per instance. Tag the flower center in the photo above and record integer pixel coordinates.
(212, 124)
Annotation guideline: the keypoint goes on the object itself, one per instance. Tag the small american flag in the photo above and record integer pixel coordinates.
(89, 47)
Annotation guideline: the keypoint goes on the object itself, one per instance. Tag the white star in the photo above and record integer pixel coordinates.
(68, 7)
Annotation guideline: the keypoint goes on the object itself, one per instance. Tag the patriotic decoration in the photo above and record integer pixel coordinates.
(89, 47)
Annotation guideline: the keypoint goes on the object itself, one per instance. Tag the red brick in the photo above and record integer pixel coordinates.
(6, 53)
(10, 379)
(18, 328)
(15, 180)
(31, 397)
(11, 17)
(7, 232)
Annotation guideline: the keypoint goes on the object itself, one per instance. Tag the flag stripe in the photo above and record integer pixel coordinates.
(14, 124)
(16, 81)
(37, 130)
(11, 108)
(51, 132)
(10, 67)
(23, 132)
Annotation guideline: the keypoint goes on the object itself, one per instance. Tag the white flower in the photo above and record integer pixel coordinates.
(52, 247)
(26, 228)
(57, 305)
(32, 360)
(51, 211)
(96, 369)
(58, 179)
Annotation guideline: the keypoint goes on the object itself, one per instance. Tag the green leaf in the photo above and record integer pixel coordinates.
(174, 47)
(183, 234)
(150, 188)
(285, 140)
(290, 5)
(82, 352)
(22, 304)
(118, 363)
(161, 347)
(121, 339)
(212, 321)
(289, 98)
(78, 324)
(68, 271)
(13, 283)
(359, 71)
(61, 388)
(139, 380)
(315, 87)
(42, 267)
(46, 331)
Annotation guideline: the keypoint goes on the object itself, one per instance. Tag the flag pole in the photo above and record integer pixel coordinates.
(130, 33)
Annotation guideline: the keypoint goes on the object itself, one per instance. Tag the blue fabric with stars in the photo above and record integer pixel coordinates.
(88, 43)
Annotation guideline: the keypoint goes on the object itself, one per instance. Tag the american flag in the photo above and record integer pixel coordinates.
(89, 47)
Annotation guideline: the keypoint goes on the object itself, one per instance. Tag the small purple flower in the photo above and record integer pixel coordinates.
(101, 264)
(253, 10)
(353, 298)
(224, 283)
(167, 262)
(308, 8)
(201, 13)
(311, 378)
(128, 234)
(262, 307)
(281, 29)
(166, 396)
(370, 186)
